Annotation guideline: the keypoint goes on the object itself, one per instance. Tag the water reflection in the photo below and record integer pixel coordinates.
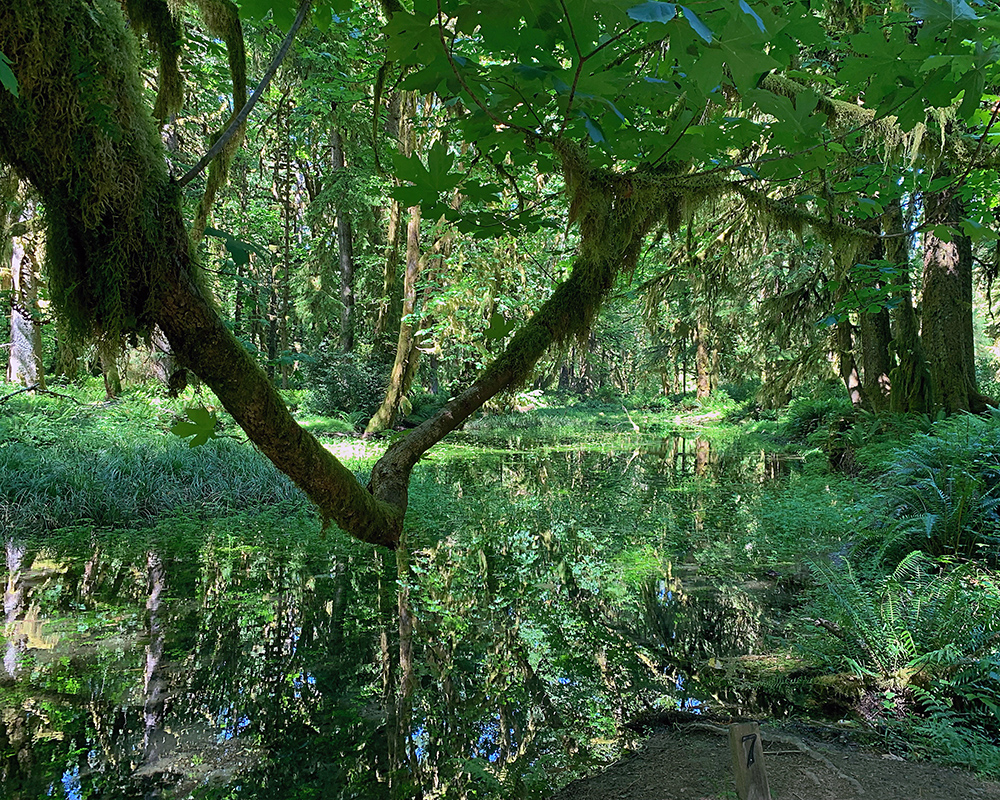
(501, 650)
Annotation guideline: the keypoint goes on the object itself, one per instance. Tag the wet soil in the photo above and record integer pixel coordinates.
(691, 761)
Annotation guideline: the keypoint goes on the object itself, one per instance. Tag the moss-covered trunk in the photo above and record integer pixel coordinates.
(910, 380)
(120, 260)
(846, 364)
(404, 365)
(119, 253)
(345, 242)
(946, 306)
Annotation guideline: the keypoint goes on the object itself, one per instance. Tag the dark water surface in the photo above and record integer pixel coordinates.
(546, 596)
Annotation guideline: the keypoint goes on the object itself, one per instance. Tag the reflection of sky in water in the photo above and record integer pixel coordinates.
(71, 784)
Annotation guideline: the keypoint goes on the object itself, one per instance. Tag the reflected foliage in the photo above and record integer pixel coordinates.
(533, 612)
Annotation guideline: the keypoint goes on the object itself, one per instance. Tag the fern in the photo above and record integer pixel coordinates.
(942, 492)
(932, 626)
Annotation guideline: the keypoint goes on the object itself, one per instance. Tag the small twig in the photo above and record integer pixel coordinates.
(34, 388)
(240, 118)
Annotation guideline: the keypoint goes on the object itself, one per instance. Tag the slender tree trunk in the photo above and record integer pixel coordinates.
(401, 110)
(404, 367)
(24, 358)
(345, 243)
(703, 359)
(155, 683)
(405, 758)
(390, 303)
(946, 312)
(24, 362)
(910, 381)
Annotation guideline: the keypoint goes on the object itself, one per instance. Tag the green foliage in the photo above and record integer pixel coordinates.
(345, 382)
(116, 466)
(200, 426)
(948, 739)
(7, 77)
(929, 627)
(942, 492)
(806, 416)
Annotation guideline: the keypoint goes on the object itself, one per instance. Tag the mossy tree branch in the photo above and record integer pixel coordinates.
(117, 234)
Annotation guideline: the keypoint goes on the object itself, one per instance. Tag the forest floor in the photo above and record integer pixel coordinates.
(803, 762)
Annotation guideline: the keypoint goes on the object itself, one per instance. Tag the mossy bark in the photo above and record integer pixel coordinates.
(705, 358)
(345, 245)
(876, 358)
(404, 365)
(847, 366)
(910, 380)
(946, 319)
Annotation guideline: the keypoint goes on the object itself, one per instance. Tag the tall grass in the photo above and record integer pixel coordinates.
(116, 465)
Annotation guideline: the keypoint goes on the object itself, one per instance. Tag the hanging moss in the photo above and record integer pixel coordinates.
(154, 19)
(82, 134)
(222, 19)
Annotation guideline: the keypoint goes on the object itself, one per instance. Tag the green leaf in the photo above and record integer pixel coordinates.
(439, 162)
(7, 77)
(238, 250)
(744, 50)
(499, 328)
(942, 232)
(696, 24)
(200, 426)
(593, 129)
(943, 11)
(745, 8)
(653, 11)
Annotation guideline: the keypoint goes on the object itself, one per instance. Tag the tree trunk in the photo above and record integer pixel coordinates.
(404, 367)
(910, 381)
(24, 362)
(108, 353)
(876, 359)
(24, 358)
(847, 366)
(390, 303)
(67, 360)
(703, 359)
(345, 244)
(946, 311)
(162, 358)
(875, 332)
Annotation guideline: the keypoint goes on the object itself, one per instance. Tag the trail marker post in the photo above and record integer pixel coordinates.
(748, 761)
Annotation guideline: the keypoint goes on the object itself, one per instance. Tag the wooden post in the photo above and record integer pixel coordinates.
(748, 761)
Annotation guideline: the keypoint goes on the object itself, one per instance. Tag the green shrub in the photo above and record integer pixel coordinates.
(345, 382)
(806, 416)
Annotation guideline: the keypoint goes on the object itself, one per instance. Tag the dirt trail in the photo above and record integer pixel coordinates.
(691, 762)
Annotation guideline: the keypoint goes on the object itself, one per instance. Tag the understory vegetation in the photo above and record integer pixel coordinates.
(577, 564)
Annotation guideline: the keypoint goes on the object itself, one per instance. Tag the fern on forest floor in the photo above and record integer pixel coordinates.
(929, 632)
